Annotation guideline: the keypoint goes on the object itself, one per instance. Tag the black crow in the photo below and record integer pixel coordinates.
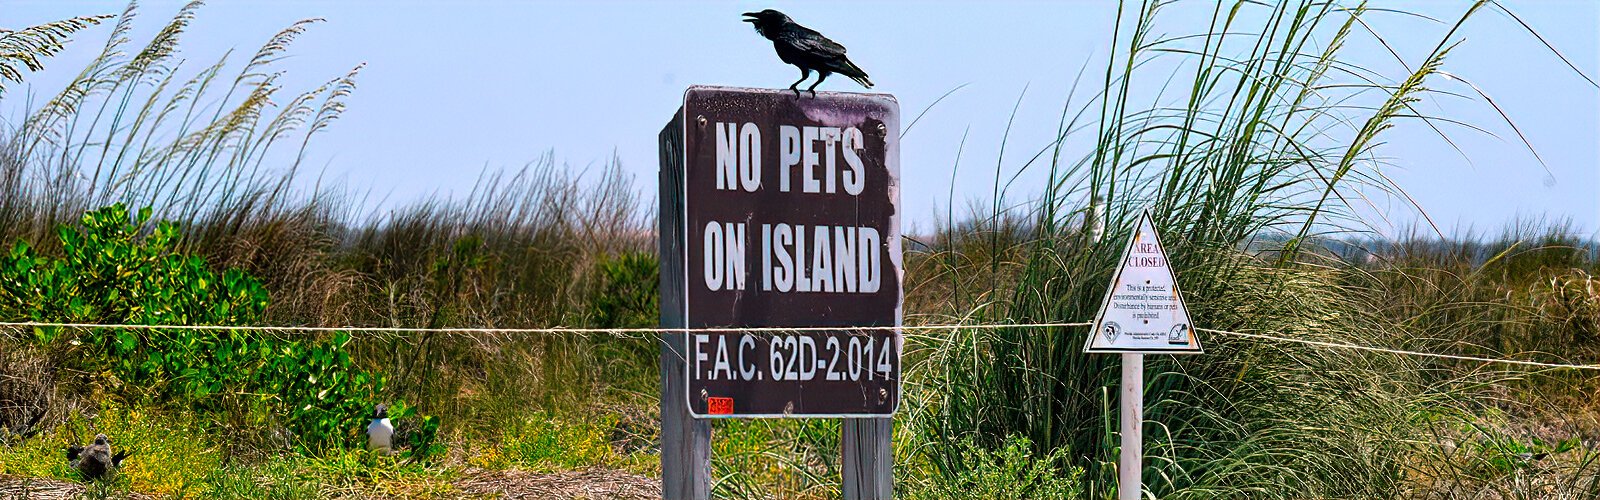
(806, 49)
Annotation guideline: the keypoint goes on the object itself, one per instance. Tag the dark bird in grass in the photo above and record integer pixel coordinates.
(94, 461)
(806, 49)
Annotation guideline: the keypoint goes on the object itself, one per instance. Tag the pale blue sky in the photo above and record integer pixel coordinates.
(454, 87)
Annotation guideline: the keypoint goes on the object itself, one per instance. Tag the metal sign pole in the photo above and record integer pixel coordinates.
(1129, 482)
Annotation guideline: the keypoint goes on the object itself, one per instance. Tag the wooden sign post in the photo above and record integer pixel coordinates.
(1143, 312)
(780, 211)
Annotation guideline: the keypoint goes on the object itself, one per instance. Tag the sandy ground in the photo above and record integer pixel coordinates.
(588, 484)
(33, 488)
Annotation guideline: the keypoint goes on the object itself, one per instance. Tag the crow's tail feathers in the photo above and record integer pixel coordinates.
(855, 73)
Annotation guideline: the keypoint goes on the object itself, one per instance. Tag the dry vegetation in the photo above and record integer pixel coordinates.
(993, 414)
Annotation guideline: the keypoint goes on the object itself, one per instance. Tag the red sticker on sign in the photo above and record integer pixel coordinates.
(719, 406)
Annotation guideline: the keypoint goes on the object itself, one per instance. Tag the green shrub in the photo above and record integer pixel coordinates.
(627, 293)
(625, 297)
(1009, 472)
(112, 271)
(421, 431)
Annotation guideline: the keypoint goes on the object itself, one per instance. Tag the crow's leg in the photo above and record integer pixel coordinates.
(823, 75)
(804, 74)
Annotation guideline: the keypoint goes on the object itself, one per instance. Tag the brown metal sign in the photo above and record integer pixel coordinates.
(791, 219)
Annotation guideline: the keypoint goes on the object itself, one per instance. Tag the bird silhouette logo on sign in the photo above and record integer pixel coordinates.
(1111, 329)
(1143, 310)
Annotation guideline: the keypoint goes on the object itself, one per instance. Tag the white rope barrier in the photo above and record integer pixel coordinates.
(625, 331)
(559, 329)
(1401, 351)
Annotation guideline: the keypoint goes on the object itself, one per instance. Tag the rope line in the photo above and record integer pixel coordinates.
(559, 329)
(622, 331)
(1401, 351)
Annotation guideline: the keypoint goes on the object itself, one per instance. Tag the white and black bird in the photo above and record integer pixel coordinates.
(380, 431)
(96, 460)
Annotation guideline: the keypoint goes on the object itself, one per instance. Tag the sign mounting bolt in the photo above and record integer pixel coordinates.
(704, 395)
(701, 119)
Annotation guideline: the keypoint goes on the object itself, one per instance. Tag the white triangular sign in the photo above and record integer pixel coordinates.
(1143, 310)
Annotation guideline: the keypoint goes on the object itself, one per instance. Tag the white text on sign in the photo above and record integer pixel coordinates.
(827, 159)
(793, 258)
(793, 357)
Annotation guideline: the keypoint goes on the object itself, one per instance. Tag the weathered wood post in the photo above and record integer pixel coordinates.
(868, 463)
(780, 211)
(685, 440)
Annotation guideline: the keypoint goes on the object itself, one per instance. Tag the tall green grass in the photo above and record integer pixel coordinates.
(1261, 131)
